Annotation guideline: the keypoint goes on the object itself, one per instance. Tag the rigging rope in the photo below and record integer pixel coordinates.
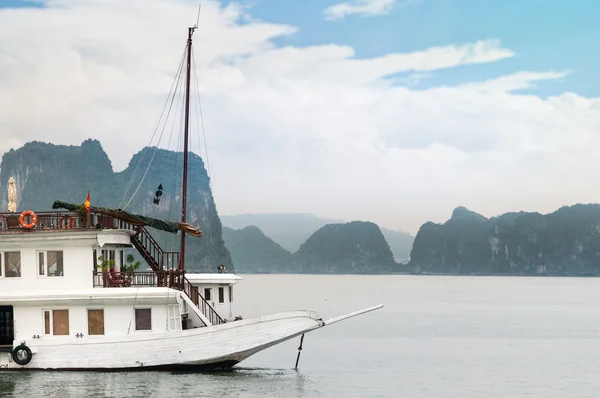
(176, 181)
(175, 175)
(201, 123)
(179, 78)
(129, 184)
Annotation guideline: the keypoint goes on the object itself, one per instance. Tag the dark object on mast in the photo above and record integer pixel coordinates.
(185, 146)
(158, 194)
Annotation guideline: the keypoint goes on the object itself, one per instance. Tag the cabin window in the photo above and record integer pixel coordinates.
(56, 322)
(206, 294)
(221, 295)
(143, 319)
(95, 322)
(174, 317)
(50, 263)
(11, 262)
(108, 254)
(95, 260)
(230, 293)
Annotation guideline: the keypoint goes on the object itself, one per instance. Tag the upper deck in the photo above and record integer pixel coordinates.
(65, 250)
(62, 221)
(61, 249)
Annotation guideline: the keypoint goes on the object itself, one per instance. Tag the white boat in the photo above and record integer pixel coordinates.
(67, 301)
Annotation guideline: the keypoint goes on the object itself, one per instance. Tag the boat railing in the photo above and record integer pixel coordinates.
(43, 220)
(57, 219)
(194, 294)
(172, 279)
(144, 242)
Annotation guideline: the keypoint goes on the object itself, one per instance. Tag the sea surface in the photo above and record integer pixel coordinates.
(436, 337)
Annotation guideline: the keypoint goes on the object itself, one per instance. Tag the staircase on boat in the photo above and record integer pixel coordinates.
(164, 264)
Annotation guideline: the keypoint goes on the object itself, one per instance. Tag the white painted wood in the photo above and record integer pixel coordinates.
(234, 341)
(197, 279)
(351, 314)
(191, 307)
(213, 282)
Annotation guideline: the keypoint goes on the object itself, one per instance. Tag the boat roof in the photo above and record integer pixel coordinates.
(228, 278)
(108, 295)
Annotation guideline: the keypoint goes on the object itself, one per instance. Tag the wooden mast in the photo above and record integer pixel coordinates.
(185, 147)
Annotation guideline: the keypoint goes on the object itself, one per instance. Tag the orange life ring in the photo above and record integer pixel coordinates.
(67, 222)
(33, 219)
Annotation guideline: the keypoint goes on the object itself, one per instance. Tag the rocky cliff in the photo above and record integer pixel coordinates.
(563, 243)
(46, 172)
(292, 230)
(253, 252)
(352, 248)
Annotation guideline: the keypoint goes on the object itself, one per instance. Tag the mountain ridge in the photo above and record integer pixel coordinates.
(291, 230)
(565, 242)
(46, 172)
(355, 247)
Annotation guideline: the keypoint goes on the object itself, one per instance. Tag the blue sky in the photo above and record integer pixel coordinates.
(545, 34)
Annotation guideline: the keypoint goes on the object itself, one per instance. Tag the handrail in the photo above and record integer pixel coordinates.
(171, 279)
(152, 247)
(174, 279)
(205, 307)
(45, 220)
(67, 220)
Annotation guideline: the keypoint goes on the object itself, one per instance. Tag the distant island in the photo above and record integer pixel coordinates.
(291, 230)
(563, 243)
(341, 248)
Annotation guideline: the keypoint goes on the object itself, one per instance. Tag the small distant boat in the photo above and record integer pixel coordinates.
(68, 300)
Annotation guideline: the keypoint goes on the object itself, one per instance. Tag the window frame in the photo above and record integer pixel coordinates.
(208, 296)
(45, 254)
(135, 312)
(51, 322)
(3, 254)
(103, 321)
(221, 294)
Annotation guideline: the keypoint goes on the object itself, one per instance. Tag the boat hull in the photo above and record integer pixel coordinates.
(213, 347)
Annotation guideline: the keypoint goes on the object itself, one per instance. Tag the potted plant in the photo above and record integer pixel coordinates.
(105, 266)
(130, 266)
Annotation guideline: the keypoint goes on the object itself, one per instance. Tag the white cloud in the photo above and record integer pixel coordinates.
(298, 129)
(516, 81)
(360, 7)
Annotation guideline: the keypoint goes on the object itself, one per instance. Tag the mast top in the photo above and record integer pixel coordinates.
(193, 28)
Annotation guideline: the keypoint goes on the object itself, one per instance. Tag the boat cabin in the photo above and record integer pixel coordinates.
(217, 290)
(62, 276)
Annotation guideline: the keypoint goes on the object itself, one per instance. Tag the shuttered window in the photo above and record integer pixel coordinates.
(95, 322)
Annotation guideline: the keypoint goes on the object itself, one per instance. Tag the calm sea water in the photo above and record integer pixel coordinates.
(435, 337)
